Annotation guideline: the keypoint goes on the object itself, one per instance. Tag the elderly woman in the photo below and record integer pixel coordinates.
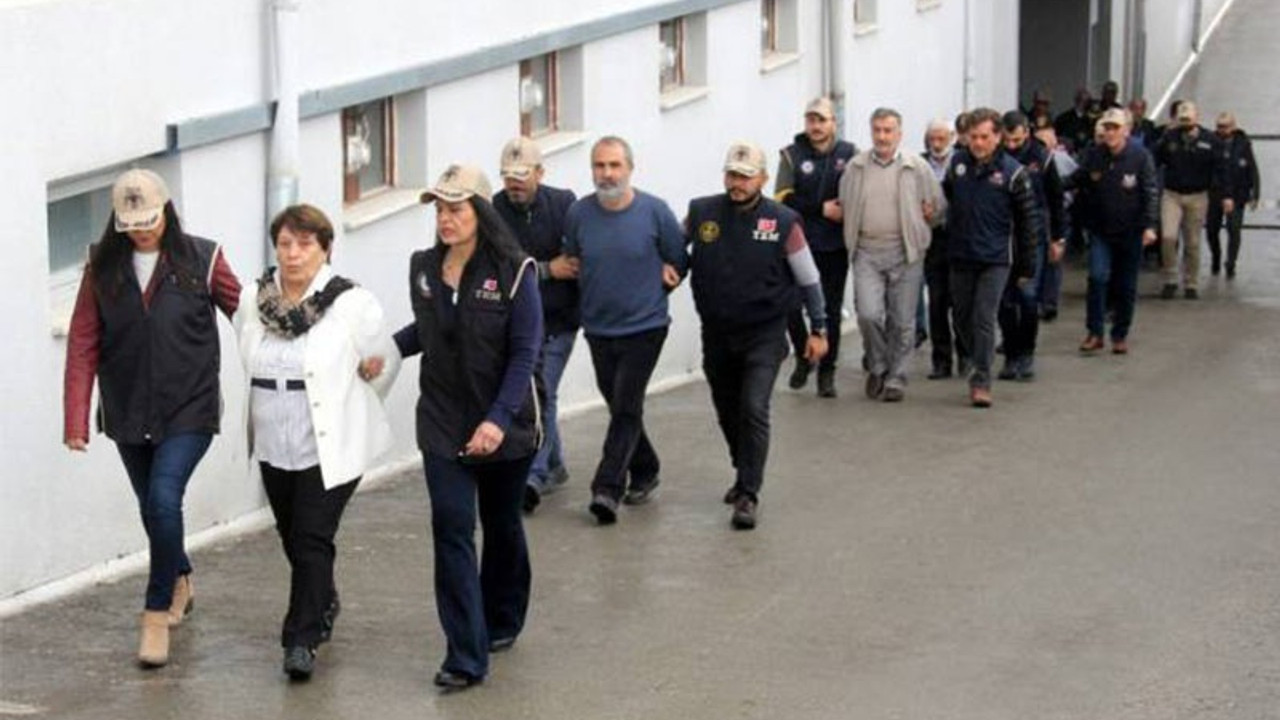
(316, 422)
(478, 324)
(144, 326)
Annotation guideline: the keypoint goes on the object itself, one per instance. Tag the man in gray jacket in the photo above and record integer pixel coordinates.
(890, 200)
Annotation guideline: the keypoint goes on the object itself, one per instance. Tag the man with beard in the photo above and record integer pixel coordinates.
(1237, 151)
(749, 255)
(809, 182)
(939, 148)
(535, 213)
(890, 201)
(631, 253)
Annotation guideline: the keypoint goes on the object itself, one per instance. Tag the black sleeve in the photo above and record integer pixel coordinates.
(1221, 169)
(1255, 181)
(1027, 224)
(1150, 185)
(1053, 195)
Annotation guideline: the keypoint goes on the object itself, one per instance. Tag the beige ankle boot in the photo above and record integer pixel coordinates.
(184, 600)
(153, 647)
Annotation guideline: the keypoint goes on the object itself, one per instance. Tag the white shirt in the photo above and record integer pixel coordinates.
(284, 435)
(144, 266)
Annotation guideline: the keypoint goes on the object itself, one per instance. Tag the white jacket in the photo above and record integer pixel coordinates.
(350, 424)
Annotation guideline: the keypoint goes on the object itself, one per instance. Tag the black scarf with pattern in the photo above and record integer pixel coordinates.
(283, 318)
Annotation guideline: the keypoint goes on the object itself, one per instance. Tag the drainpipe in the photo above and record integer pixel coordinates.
(282, 162)
(968, 56)
(836, 50)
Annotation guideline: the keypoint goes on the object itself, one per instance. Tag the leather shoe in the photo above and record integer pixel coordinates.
(604, 508)
(1169, 291)
(299, 662)
(874, 386)
(1191, 294)
(452, 681)
(732, 495)
(1091, 344)
(1010, 369)
(744, 513)
(1119, 347)
(980, 397)
(502, 644)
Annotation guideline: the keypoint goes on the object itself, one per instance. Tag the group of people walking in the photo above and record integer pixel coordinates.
(979, 218)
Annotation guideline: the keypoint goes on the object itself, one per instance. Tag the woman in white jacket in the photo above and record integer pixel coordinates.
(316, 420)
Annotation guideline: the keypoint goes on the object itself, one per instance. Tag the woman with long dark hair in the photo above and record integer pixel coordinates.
(478, 325)
(144, 325)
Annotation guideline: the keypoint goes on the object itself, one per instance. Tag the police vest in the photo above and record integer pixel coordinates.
(739, 271)
(817, 179)
(158, 363)
(465, 353)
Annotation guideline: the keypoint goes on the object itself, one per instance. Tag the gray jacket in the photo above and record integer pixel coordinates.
(916, 185)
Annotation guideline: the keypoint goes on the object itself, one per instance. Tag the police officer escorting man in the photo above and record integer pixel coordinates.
(1121, 198)
(748, 256)
(809, 183)
(535, 213)
(1246, 187)
(1191, 158)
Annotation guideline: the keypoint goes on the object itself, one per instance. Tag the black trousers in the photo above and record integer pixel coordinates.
(833, 271)
(307, 518)
(741, 367)
(623, 367)
(1214, 220)
(944, 341)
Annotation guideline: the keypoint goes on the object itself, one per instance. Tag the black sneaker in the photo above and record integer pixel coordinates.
(800, 375)
(1191, 294)
(1010, 369)
(639, 494)
(532, 498)
(1049, 314)
(744, 513)
(1169, 291)
(732, 495)
(940, 372)
(826, 382)
(1027, 369)
(604, 508)
(1215, 267)
(502, 644)
(299, 662)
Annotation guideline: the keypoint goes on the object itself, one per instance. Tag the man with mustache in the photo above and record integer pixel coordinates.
(748, 256)
(630, 250)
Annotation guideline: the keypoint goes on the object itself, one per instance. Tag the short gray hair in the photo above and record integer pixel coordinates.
(881, 113)
(615, 140)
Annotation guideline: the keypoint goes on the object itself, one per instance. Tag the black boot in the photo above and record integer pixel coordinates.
(826, 382)
(800, 375)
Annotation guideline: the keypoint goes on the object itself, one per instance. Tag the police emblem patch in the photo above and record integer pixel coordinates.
(806, 167)
(424, 287)
(997, 178)
(961, 170)
(709, 231)
(1129, 181)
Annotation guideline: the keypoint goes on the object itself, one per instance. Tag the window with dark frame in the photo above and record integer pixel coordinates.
(768, 26)
(368, 149)
(671, 34)
(539, 95)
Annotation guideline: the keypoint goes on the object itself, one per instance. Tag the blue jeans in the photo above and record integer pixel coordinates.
(486, 600)
(551, 363)
(159, 475)
(1113, 275)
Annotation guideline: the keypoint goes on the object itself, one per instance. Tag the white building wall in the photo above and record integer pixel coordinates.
(94, 100)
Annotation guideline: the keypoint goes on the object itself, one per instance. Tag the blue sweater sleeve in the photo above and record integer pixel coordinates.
(524, 338)
(671, 240)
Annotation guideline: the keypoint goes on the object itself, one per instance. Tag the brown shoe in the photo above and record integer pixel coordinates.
(980, 397)
(1091, 343)
(184, 600)
(1119, 347)
(153, 646)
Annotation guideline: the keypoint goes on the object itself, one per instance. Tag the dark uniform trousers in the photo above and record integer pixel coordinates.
(741, 366)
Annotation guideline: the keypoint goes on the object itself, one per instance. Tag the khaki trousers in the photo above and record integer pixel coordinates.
(1185, 213)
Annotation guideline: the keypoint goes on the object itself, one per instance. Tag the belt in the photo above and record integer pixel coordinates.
(269, 384)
